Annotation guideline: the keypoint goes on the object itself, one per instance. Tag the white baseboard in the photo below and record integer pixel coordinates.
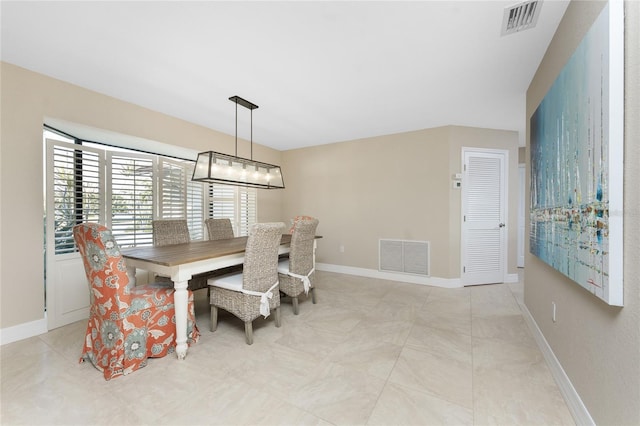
(406, 278)
(511, 278)
(23, 331)
(577, 408)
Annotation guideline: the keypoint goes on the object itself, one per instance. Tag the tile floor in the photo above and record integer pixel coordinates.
(370, 352)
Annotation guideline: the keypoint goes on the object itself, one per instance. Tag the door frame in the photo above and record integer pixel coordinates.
(522, 214)
(504, 153)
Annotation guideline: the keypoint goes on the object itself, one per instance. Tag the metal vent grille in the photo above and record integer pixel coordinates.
(521, 16)
(409, 257)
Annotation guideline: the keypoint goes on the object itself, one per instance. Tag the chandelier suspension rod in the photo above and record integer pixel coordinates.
(251, 107)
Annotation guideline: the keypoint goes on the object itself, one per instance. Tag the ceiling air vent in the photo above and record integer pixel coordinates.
(521, 16)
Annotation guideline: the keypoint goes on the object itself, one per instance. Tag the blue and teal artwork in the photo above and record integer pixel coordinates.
(571, 182)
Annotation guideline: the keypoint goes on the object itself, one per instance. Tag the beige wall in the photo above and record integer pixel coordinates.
(394, 186)
(27, 98)
(597, 345)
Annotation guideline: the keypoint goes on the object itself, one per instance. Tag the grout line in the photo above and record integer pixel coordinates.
(473, 365)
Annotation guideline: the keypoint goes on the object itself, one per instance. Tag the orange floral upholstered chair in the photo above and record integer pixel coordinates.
(127, 324)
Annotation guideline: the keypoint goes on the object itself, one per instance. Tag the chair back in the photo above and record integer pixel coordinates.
(260, 269)
(219, 229)
(109, 282)
(167, 232)
(301, 253)
(296, 219)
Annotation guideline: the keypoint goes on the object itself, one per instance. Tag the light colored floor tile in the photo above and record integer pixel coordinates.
(310, 340)
(339, 395)
(64, 399)
(396, 311)
(333, 319)
(373, 356)
(362, 300)
(440, 375)
(441, 342)
(378, 327)
(409, 294)
(495, 299)
(236, 403)
(32, 369)
(502, 398)
(279, 368)
(504, 327)
(67, 340)
(518, 290)
(370, 351)
(450, 295)
(495, 355)
(444, 317)
(398, 405)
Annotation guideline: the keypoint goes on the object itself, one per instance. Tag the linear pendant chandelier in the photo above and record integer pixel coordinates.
(216, 167)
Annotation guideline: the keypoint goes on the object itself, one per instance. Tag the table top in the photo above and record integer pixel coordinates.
(178, 254)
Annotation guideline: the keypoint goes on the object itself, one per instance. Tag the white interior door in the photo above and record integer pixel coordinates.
(484, 213)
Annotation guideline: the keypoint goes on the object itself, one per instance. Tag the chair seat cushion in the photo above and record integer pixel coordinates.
(231, 282)
(283, 266)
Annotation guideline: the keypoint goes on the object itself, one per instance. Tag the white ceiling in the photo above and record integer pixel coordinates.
(321, 72)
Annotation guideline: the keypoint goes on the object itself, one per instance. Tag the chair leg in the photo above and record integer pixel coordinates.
(278, 322)
(214, 318)
(313, 295)
(295, 305)
(248, 331)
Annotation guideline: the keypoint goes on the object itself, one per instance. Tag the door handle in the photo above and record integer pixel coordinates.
(501, 225)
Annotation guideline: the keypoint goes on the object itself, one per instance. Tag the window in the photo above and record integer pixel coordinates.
(126, 190)
(235, 203)
(76, 183)
(130, 197)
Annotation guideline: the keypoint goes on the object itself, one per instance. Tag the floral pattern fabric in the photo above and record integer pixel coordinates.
(127, 323)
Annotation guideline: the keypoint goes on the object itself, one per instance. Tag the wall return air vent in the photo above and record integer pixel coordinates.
(521, 16)
(407, 257)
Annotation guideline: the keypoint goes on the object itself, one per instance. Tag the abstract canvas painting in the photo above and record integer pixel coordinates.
(576, 148)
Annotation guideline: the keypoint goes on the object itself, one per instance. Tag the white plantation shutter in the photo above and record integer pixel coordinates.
(247, 209)
(195, 209)
(235, 203)
(126, 190)
(180, 198)
(172, 190)
(130, 203)
(222, 202)
(76, 185)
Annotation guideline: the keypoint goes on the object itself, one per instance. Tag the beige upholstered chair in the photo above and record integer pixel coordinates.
(176, 231)
(297, 273)
(170, 231)
(219, 229)
(253, 292)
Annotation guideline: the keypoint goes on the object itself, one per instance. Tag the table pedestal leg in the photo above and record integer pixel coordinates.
(181, 299)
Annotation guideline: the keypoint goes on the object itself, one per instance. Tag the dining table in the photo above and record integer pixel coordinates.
(182, 261)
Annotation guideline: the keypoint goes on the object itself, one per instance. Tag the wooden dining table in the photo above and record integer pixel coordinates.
(182, 261)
